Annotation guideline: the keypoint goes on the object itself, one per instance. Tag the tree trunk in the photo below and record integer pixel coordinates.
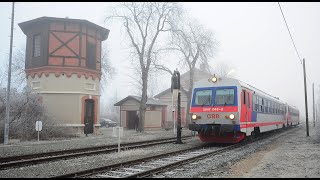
(143, 106)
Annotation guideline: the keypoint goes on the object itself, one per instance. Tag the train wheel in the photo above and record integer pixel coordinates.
(253, 135)
(256, 131)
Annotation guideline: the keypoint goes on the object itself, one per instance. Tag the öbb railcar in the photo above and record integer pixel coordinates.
(227, 110)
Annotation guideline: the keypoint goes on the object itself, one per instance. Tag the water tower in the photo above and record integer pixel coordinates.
(63, 64)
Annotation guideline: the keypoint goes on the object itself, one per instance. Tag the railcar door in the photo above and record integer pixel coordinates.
(246, 107)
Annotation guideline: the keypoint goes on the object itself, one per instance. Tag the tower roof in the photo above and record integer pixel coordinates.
(25, 25)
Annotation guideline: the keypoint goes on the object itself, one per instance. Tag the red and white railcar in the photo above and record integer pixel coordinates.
(227, 110)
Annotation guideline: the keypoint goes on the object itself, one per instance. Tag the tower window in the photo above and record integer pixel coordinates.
(36, 45)
(91, 55)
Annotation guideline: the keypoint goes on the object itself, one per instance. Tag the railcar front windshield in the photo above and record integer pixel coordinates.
(224, 97)
(203, 97)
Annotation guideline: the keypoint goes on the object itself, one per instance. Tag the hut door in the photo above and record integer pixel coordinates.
(88, 116)
(131, 119)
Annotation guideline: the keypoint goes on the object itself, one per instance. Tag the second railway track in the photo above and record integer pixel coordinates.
(31, 159)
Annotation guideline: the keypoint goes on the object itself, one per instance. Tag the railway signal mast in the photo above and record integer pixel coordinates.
(175, 86)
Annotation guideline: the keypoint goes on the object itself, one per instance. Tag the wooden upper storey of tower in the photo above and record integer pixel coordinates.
(63, 43)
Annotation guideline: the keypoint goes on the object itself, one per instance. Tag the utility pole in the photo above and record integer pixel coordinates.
(314, 112)
(305, 96)
(6, 124)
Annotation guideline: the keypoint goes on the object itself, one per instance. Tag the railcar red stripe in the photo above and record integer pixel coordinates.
(215, 109)
(259, 124)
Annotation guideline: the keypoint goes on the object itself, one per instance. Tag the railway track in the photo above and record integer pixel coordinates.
(31, 159)
(148, 166)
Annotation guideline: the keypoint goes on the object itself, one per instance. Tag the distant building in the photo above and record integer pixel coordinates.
(63, 64)
(159, 109)
(129, 106)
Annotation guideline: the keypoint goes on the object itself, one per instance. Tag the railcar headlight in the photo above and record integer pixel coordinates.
(194, 117)
(231, 116)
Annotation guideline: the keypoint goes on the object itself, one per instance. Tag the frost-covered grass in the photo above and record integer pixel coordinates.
(105, 138)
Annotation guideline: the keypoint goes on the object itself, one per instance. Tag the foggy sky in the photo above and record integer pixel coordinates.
(253, 39)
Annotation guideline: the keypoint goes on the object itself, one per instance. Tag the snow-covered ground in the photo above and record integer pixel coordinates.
(295, 156)
(287, 155)
(105, 138)
(76, 164)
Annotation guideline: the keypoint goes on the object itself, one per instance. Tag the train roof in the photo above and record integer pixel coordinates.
(248, 86)
(258, 90)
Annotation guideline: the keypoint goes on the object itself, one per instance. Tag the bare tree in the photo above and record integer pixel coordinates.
(223, 69)
(195, 45)
(107, 70)
(136, 83)
(108, 109)
(144, 22)
(26, 109)
(18, 76)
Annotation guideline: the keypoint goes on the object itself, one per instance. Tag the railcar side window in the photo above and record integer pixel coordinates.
(266, 106)
(203, 97)
(248, 100)
(255, 102)
(260, 104)
(224, 97)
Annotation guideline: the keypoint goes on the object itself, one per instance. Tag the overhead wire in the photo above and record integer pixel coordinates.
(289, 32)
(291, 37)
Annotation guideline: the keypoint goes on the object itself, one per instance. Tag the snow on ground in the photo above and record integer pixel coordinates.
(60, 167)
(289, 154)
(296, 156)
(105, 138)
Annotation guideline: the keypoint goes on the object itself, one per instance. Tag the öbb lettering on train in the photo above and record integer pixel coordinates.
(213, 116)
